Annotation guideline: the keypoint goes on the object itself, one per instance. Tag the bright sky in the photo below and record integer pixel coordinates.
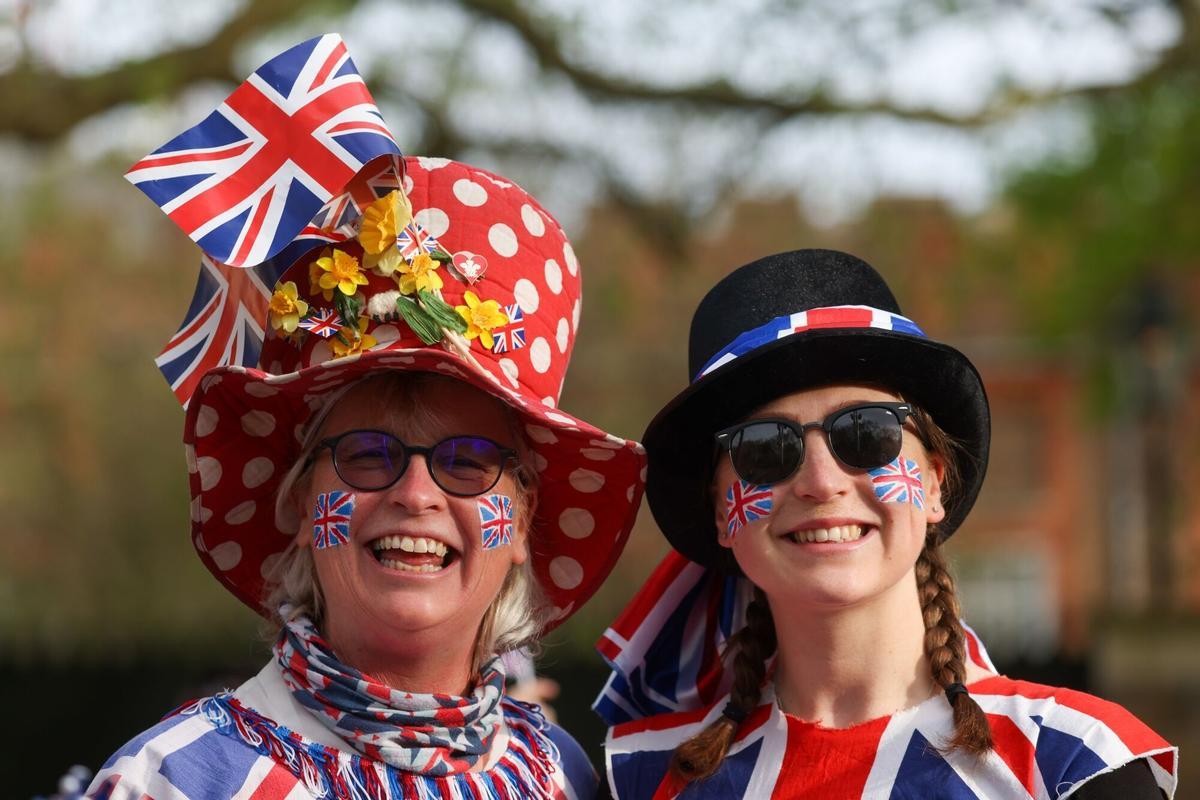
(906, 51)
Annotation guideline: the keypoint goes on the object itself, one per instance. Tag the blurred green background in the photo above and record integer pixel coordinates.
(1027, 176)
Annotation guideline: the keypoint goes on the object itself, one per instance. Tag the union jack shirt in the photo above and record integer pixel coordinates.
(1048, 743)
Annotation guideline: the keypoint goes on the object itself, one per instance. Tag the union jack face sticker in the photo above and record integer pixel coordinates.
(899, 482)
(496, 520)
(331, 519)
(744, 503)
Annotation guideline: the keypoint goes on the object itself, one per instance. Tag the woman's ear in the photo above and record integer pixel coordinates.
(298, 501)
(934, 510)
(719, 516)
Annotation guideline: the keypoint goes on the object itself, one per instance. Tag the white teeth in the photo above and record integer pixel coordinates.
(402, 567)
(410, 544)
(841, 533)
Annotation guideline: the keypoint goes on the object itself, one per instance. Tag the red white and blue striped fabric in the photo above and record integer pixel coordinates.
(1048, 743)
(815, 318)
(665, 647)
(215, 748)
(245, 180)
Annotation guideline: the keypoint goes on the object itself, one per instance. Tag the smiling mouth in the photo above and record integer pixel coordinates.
(841, 533)
(413, 553)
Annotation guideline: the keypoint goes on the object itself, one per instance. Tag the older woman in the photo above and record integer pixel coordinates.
(824, 452)
(394, 487)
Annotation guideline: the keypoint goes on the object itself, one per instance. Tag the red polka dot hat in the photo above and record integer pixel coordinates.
(457, 272)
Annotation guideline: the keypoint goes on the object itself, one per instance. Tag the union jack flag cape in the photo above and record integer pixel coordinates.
(668, 682)
(252, 174)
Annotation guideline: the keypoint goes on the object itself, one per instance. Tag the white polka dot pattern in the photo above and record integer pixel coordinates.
(539, 354)
(241, 513)
(540, 434)
(586, 480)
(533, 220)
(257, 471)
(210, 472)
(577, 523)
(258, 423)
(526, 295)
(206, 420)
(569, 258)
(565, 572)
(433, 220)
(226, 555)
(554, 276)
(470, 193)
(503, 240)
(562, 336)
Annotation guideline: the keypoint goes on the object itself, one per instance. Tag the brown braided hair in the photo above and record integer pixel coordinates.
(701, 755)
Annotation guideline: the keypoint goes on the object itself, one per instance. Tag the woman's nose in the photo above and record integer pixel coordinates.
(416, 490)
(821, 476)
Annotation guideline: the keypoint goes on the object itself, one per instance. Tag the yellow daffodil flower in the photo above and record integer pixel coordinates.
(481, 318)
(420, 275)
(286, 307)
(386, 263)
(358, 339)
(383, 220)
(340, 271)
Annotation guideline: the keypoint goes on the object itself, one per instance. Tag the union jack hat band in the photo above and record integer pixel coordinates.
(785, 323)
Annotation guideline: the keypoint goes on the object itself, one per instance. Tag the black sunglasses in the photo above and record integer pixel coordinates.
(371, 460)
(864, 436)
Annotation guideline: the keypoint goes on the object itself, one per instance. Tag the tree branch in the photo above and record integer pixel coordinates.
(41, 105)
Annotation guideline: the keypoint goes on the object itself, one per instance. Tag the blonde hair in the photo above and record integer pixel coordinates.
(517, 615)
(945, 642)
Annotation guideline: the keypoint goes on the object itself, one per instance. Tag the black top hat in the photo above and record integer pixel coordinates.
(789, 322)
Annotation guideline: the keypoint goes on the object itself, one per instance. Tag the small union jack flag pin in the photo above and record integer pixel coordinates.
(324, 322)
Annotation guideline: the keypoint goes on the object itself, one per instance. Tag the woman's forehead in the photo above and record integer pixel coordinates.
(420, 408)
(822, 400)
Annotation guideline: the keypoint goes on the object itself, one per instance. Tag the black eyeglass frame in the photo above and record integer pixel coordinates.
(725, 437)
(407, 451)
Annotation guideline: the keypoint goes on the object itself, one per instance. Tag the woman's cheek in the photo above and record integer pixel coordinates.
(899, 482)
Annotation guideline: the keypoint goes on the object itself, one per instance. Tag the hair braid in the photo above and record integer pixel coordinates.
(701, 755)
(945, 648)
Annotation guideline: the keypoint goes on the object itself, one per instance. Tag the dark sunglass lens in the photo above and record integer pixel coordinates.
(369, 459)
(467, 465)
(765, 452)
(866, 437)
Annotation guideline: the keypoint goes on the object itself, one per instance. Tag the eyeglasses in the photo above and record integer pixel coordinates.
(371, 460)
(767, 451)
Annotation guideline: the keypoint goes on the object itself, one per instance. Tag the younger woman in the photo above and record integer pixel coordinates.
(824, 451)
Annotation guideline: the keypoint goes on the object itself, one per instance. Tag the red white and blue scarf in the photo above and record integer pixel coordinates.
(432, 734)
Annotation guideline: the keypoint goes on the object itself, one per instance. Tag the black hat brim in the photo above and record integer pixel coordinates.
(679, 440)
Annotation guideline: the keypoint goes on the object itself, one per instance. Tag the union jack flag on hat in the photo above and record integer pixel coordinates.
(224, 322)
(247, 179)
(511, 335)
